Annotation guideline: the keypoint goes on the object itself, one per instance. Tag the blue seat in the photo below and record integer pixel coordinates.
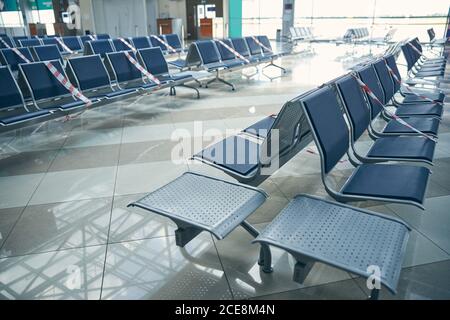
(422, 107)
(228, 57)
(84, 39)
(48, 52)
(256, 50)
(125, 73)
(141, 42)
(92, 78)
(50, 41)
(391, 183)
(209, 59)
(155, 43)
(103, 36)
(408, 97)
(427, 125)
(153, 60)
(101, 47)
(16, 40)
(408, 148)
(244, 157)
(235, 153)
(174, 41)
(120, 46)
(262, 127)
(73, 43)
(30, 42)
(8, 41)
(46, 91)
(12, 106)
(240, 45)
(9, 57)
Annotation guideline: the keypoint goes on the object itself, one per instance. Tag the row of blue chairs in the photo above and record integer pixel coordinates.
(212, 55)
(75, 43)
(421, 67)
(96, 78)
(312, 230)
(103, 46)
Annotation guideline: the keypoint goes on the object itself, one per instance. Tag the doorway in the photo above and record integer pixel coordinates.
(200, 17)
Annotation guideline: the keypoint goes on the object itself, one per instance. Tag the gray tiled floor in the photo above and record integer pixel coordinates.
(66, 231)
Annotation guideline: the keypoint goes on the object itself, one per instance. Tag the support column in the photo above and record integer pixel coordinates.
(288, 18)
(27, 16)
(235, 18)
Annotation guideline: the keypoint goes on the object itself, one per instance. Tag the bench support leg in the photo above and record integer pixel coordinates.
(272, 64)
(190, 87)
(185, 234)
(173, 91)
(265, 256)
(217, 78)
(301, 271)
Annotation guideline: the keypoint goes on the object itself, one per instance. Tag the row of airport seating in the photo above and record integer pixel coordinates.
(335, 115)
(99, 80)
(356, 34)
(301, 34)
(75, 43)
(105, 78)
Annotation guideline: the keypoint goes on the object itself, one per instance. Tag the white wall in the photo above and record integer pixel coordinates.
(120, 18)
(173, 9)
(124, 16)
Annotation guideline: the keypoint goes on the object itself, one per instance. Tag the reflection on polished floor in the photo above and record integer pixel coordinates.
(66, 231)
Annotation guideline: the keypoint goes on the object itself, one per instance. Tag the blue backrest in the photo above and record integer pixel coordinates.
(356, 105)
(48, 41)
(390, 59)
(46, 53)
(30, 42)
(208, 52)
(240, 45)
(72, 42)
(120, 46)
(385, 79)
(101, 47)
(369, 77)
(408, 57)
(89, 71)
(225, 54)
(9, 91)
(156, 43)
(141, 42)
(327, 122)
(84, 39)
(123, 68)
(153, 60)
(42, 83)
(8, 40)
(10, 58)
(103, 36)
(266, 42)
(255, 48)
(16, 39)
(173, 40)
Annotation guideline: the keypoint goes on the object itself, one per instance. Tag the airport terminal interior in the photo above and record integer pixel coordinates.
(224, 149)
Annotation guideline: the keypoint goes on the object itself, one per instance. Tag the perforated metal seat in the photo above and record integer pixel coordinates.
(262, 127)
(234, 153)
(348, 238)
(205, 204)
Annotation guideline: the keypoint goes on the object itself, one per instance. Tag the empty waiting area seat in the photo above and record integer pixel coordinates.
(12, 105)
(391, 183)
(91, 77)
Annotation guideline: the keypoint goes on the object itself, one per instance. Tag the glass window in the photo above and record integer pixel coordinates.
(331, 18)
(261, 17)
